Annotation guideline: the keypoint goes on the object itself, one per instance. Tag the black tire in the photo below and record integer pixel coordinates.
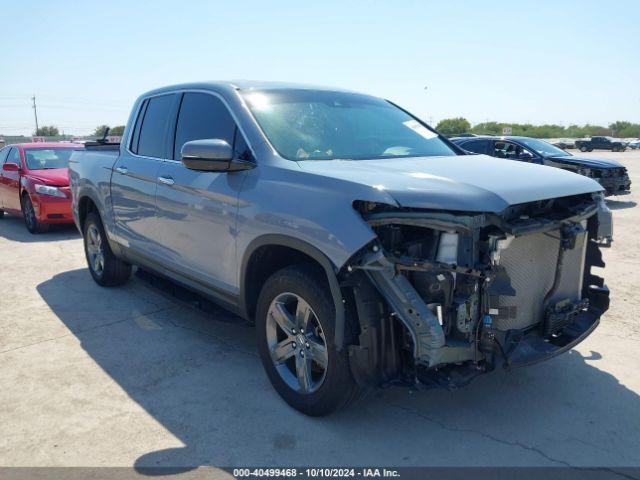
(111, 271)
(337, 388)
(583, 149)
(1, 214)
(29, 216)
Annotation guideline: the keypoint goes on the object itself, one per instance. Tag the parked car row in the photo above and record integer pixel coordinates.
(611, 174)
(584, 145)
(634, 144)
(368, 249)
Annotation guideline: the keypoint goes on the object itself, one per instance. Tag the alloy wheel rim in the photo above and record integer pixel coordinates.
(297, 343)
(95, 251)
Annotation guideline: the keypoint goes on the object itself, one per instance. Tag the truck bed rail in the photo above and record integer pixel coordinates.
(99, 145)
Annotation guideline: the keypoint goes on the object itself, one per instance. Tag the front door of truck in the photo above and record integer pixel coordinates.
(197, 210)
(134, 178)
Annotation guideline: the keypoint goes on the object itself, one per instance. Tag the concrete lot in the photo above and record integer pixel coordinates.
(129, 376)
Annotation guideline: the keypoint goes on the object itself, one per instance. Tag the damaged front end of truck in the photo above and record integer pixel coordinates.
(441, 297)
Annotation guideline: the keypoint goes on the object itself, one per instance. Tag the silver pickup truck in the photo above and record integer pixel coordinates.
(367, 248)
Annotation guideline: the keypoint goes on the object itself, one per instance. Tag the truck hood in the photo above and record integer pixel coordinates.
(588, 162)
(57, 177)
(464, 183)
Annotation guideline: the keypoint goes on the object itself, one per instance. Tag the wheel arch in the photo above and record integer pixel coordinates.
(271, 252)
(86, 204)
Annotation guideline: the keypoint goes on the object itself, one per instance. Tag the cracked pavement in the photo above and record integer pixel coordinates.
(129, 376)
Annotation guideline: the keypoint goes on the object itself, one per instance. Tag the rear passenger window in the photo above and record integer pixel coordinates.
(202, 116)
(135, 137)
(151, 142)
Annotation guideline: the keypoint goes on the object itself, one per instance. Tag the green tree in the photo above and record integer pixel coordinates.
(47, 131)
(625, 129)
(100, 130)
(117, 130)
(453, 126)
(488, 128)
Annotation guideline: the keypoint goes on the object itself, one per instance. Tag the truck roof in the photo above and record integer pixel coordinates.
(235, 85)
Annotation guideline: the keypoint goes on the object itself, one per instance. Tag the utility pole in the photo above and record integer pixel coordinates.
(35, 112)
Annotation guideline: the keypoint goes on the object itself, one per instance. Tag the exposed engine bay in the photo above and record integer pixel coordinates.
(443, 297)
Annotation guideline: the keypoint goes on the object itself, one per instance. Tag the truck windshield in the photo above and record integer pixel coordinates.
(47, 158)
(543, 148)
(325, 125)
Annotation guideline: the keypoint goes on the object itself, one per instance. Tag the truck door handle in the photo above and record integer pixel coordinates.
(122, 170)
(166, 180)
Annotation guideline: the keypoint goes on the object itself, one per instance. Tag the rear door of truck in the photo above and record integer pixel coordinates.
(134, 179)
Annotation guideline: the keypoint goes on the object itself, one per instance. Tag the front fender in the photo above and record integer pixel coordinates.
(317, 210)
(308, 249)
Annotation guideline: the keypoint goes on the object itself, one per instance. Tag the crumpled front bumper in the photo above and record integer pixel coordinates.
(620, 185)
(534, 348)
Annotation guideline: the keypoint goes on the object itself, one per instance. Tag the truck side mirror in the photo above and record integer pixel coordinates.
(211, 155)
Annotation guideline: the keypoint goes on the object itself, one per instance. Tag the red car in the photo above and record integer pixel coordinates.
(34, 183)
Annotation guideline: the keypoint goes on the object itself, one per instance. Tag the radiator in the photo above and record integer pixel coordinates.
(531, 262)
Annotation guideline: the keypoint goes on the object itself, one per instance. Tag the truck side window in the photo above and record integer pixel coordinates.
(135, 137)
(202, 116)
(241, 150)
(153, 130)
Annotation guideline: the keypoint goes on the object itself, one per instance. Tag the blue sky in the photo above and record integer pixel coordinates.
(537, 61)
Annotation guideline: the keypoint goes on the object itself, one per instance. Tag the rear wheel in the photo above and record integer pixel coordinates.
(105, 268)
(29, 216)
(295, 322)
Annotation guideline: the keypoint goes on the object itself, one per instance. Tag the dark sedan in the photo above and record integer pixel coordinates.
(609, 173)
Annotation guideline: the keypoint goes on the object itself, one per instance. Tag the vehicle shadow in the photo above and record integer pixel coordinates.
(201, 379)
(13, 228)
(620, 204)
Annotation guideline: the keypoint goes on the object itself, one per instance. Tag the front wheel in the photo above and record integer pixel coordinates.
(30, 218)
(295, 322)
(105, 268)
(583, 149)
